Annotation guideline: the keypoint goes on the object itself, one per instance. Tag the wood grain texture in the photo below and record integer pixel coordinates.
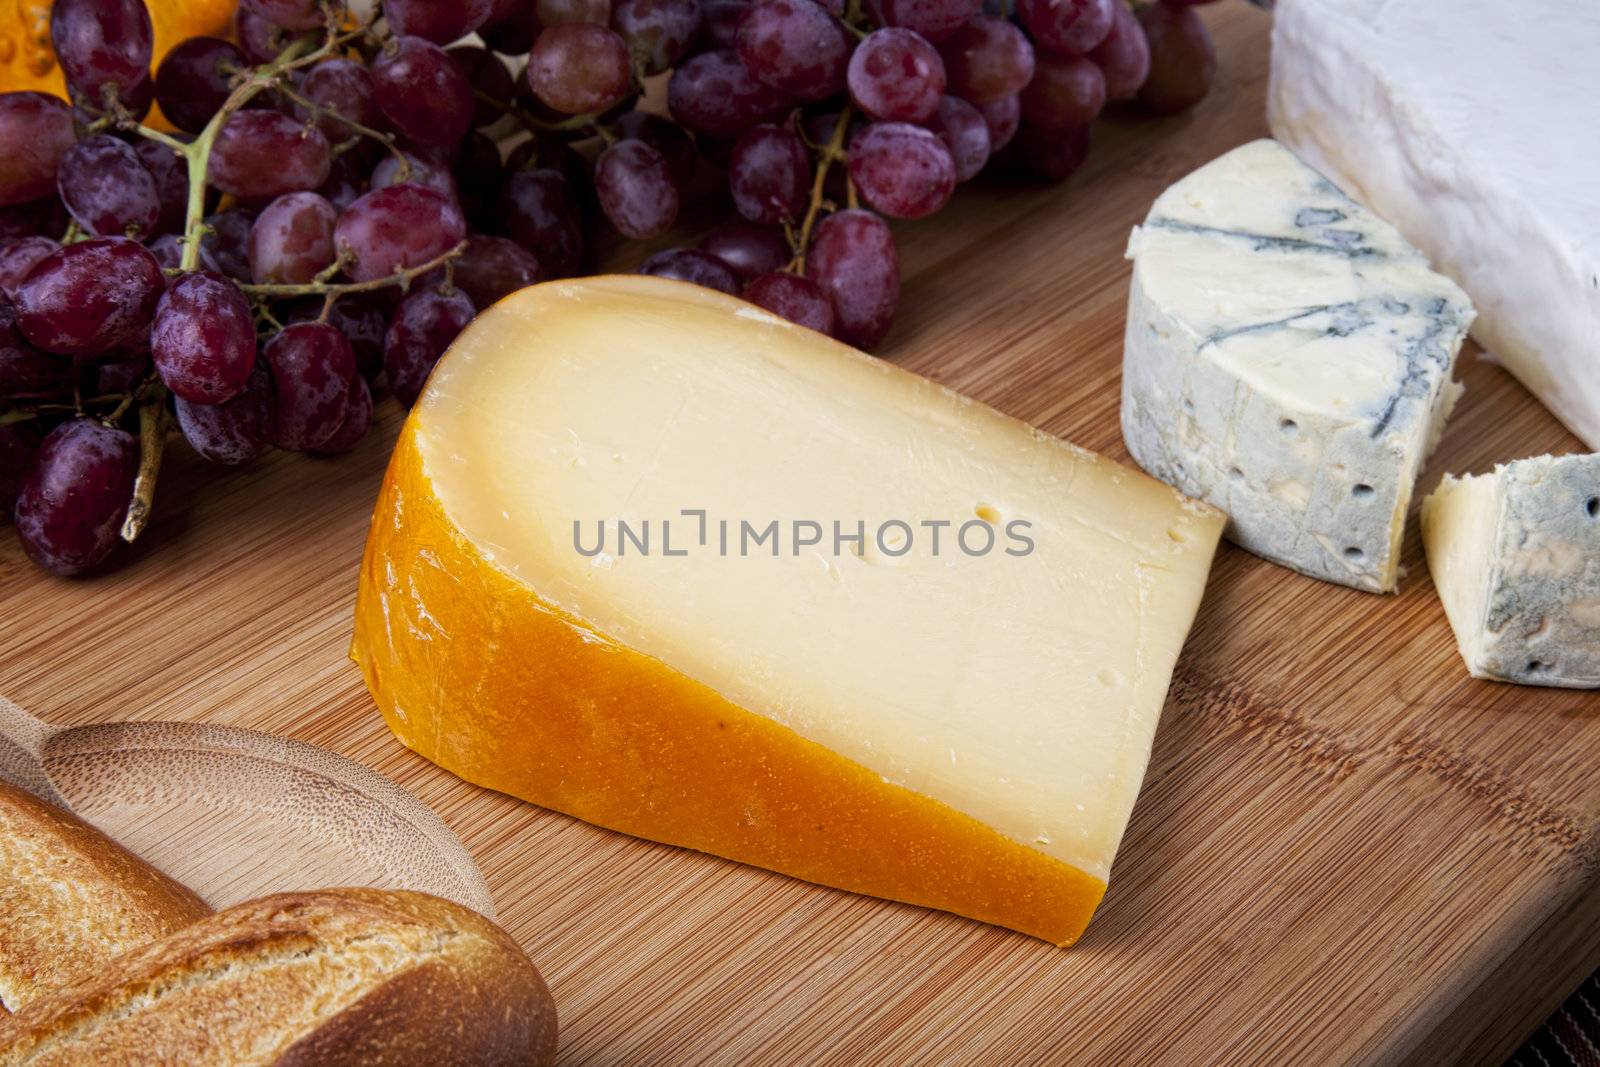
(1346, 851)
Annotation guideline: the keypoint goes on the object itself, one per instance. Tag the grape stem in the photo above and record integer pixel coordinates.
(318, 111)
(530, 121)
(402, 278)
(827, 155)
(152, 442)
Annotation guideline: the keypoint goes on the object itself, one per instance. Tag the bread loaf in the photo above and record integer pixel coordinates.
(333, 978)
(71, 899)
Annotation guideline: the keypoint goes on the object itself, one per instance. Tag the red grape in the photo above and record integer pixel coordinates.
(345, 182)
(357, 420)
(101, 42)
(25, 372)
(171, 173)
(1003, 116)
(853, 260)
(342, 87)
(1124, 56)
(396, 228)
(1065, 92)
(135, 102)
(795, 298)
(312, 366)
(195, 78)
(168, 250)
(721, 19)
(795, 46)
(896, 75)
(121, 376)
(1054, 154)
(292, 239)
(237, 430)
(904, 171)
(986, 59)
(666, 137)
(635, 188)
(715, 94)
(538, 211)
(933, 19)
(226, 246)
(491, 268)
(422, 92)
(748, 250)
(694, 266)
(107, 189)
(71, 506)
(359, 317)
(203, 340)
(289, 14)
(43, 217)
(506, 10)
(17, 259)
(88, 298)
(439, 21)
(488, 76)
(580, 68)
(769, 175)
(262, 154)
(36, 130)
(19, 443)
(567, 12)
(422, 172)
(658, 33)
(965, 132)
(423, 326)
(1067, 27)
(1182, 59)
(260, 40)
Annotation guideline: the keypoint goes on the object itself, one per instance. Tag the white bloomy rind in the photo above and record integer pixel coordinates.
(1474, 127)
(1516, 558)
(1288, 358)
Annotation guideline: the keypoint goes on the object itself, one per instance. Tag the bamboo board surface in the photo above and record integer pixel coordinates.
(1346, 850)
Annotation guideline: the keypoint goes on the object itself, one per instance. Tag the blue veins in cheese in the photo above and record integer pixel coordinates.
(1288, 359)
(1473, 126)
(1515, 556)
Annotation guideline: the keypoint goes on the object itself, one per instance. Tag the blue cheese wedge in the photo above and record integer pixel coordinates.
(1288, 358)
(1516, 558)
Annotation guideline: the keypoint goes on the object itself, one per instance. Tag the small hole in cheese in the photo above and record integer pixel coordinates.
(1361, 489)
(1354, 554)
(1178, 535)
(1535, 666)
(1289, 426)
(1592, 506)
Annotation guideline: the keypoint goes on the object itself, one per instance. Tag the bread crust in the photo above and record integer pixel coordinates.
(332, 977)
(71, 899)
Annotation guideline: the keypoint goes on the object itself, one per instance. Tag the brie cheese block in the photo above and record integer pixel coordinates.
(1288, 358)
(1474, 127)
(1515, 556)
(653, 557)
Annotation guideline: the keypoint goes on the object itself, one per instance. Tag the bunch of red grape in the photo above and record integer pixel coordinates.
(333, 209)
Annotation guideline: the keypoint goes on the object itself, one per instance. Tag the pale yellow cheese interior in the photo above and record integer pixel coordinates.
(1459, 522)
(1021, 690)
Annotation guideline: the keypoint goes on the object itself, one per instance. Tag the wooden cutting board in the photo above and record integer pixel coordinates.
(1346, 850)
